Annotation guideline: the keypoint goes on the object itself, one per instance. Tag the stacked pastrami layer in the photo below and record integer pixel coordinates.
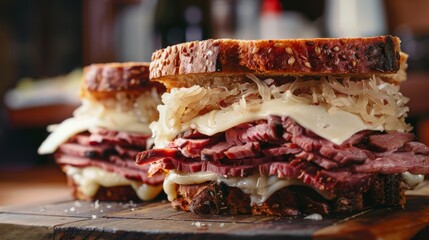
(112, 152)
(279, 146)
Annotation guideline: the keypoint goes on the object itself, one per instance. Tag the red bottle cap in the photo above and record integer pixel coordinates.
(271, 6)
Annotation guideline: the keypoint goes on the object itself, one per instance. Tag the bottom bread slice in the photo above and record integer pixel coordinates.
(218, 198)
(115, 194)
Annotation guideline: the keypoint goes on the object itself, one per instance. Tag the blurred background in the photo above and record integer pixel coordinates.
(45, 43)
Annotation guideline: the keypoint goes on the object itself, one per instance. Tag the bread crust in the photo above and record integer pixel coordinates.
(105, 80)
(359, 57)
(215, 198)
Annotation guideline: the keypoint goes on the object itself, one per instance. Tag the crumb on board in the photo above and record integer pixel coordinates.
(77, 204)
(198, 224)
(314, 216)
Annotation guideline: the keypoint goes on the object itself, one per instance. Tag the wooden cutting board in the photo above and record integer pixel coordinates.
(157, 220)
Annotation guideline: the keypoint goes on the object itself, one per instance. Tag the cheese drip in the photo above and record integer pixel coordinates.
(89, 180)
(91, 115)
(259, 188)
(412, 180)
(335, 126)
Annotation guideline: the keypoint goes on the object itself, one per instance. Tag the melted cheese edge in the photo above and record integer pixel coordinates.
(412, 180)
(91, 115)
(89, 180)
(259, 188)
(336, 126)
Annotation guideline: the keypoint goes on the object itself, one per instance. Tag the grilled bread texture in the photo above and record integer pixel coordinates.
(218, 198)
(199, 62)
(102, 81)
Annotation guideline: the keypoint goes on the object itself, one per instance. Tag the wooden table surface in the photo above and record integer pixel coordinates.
(71, 219)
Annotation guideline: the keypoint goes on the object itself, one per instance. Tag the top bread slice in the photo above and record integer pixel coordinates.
(106, 80)
(183, 64)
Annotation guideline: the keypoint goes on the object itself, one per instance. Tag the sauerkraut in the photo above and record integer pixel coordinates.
(378, 103)
(142, 106)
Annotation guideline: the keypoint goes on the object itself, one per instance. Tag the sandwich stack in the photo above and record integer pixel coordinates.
(284, 127)
(96, 148)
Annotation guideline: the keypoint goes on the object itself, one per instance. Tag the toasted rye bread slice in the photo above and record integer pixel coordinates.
(215, 198)
(185, 64)
(105, 80)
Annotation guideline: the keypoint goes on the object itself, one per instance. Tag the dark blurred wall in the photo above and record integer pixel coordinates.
(181, 21)
(39, 38)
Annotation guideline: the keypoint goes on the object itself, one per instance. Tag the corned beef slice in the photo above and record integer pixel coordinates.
(76, 149)
(397, 162)
(112, 151)
(125, 170)
(250, 149)
(279, 146)
(118, 138)
(192, 147)
(387, 142)
(153, 155)
(127, 151)
(215, 152)
(416, 147)
(269, 132)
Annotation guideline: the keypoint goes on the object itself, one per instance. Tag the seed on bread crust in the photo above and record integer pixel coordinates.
(289, 50)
